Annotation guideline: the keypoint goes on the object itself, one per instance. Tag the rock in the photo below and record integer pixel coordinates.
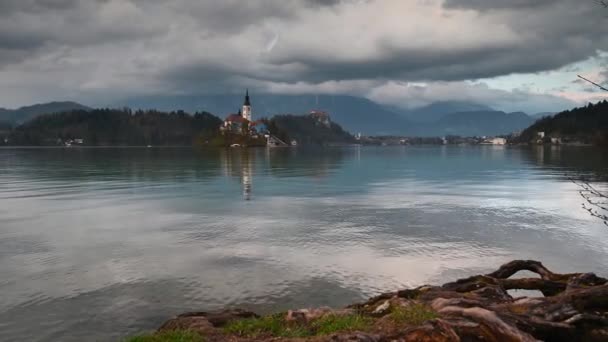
(431, 331)
(220, 318)
(478, 308)
(307, 315)
(382, 308)
(304, 316)
(355, 337)
(194, 323)
(205, 323)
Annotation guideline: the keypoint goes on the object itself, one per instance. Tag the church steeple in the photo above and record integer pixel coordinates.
(247, 107)
(247, 103)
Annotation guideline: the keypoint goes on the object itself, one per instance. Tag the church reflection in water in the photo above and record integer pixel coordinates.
(238, 163)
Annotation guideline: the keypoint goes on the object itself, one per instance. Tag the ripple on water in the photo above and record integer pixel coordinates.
(100, 244)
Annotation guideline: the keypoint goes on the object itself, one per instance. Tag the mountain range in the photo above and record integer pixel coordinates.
(21, 115)
(437, 110)
(355, 114)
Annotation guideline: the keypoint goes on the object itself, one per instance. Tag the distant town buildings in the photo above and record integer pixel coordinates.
(494, 141)
(540, 137)
(70, 142)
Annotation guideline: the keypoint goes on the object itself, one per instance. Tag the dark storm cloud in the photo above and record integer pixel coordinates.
(9, 7)
(211, 46)
(500, 4)
(547, 40)
(29, 28)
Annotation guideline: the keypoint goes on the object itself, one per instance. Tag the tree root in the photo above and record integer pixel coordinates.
(574, 307)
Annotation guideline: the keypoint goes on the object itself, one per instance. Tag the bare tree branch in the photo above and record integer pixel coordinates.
(595, 200)
(595, 84)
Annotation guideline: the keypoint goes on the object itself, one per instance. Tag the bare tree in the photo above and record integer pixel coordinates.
(595, 201)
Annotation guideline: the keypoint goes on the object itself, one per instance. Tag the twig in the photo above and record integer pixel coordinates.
(595, 84)
(589, 193)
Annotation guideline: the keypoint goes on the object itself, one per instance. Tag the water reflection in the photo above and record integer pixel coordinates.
(239, 163)
(317, 163)
(569, 161)
(104, 243)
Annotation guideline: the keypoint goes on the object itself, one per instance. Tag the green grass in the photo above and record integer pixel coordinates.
(276, 326)
(414, 314)
(169, 336)
(330, 324)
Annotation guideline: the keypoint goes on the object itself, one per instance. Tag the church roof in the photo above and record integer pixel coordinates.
(235, 118)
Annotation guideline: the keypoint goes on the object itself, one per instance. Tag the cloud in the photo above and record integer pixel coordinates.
(407, 95)
(98, 48)
(482, 5)
(10, 7)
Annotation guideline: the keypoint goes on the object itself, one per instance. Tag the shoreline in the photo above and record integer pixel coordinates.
(479, 308)
(207, 147)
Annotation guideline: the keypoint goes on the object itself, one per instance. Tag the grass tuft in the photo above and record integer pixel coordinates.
(276, 326)
(414, 314)
(169, 336)
(330, 324)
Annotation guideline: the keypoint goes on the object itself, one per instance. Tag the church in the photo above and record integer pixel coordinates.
(242, 122)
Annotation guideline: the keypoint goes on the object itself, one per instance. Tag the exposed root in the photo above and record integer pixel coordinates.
(478, 308)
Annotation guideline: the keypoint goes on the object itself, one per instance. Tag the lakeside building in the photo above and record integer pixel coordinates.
(494, 141)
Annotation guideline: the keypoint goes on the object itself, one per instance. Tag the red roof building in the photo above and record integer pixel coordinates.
(235, 118)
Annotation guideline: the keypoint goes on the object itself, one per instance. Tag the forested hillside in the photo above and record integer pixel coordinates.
(307, 131)
(101, 127)
(585, 124)
(20, 115)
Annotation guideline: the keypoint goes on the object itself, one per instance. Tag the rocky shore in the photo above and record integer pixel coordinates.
(574, 307)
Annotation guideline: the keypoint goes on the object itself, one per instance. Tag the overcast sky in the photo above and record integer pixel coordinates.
(513, 55)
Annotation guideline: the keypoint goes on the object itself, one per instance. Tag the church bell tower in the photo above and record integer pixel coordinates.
(247, 107)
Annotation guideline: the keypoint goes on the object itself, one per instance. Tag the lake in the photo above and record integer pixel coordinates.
(98, 244)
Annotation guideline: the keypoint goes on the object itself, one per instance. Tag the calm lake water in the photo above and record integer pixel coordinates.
(98, 244)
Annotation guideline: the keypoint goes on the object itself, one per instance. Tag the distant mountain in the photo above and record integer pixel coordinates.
(437, 110)
(541, 115)
(587, 124)
(355, 114)
(24, 114)
(478, 123)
